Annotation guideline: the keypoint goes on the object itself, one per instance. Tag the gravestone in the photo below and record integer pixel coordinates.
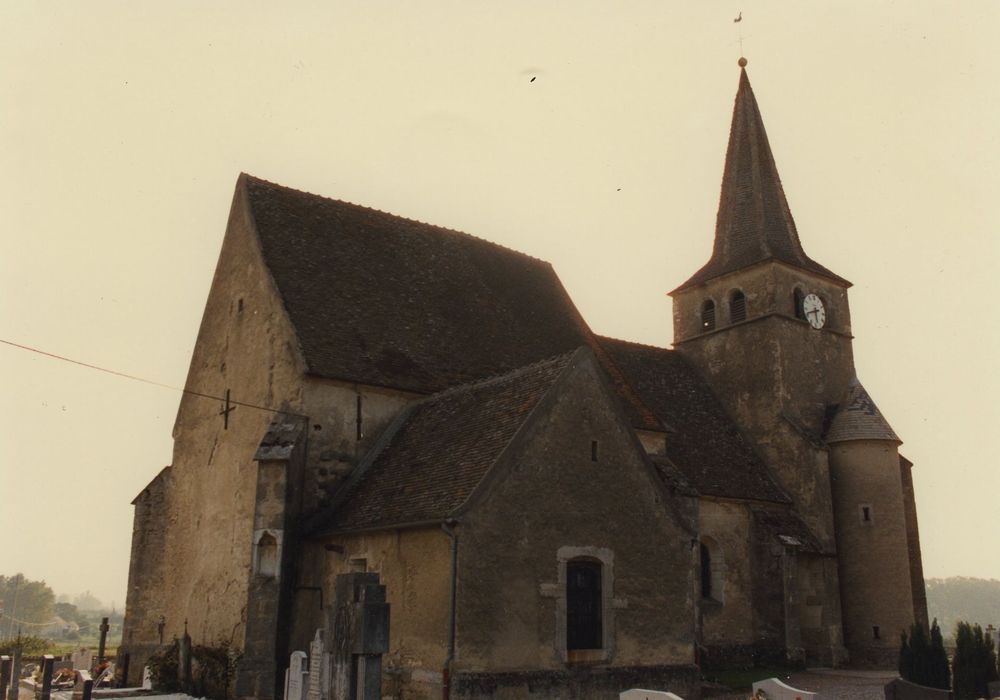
(147, 678)
(296, 676)
(5, 675)
(83, 688)
(640, 694)
(774, 689)
(360, 635)
(82, 659)
(48, 661)
(104, 638)
(319, 669)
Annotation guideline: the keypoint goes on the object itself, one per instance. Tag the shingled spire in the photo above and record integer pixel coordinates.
(754, 222)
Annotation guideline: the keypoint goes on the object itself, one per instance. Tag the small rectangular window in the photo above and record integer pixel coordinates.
(865, 514)
(876, 632)
(593, 450)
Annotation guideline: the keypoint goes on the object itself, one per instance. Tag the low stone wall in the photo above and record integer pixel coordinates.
(587, 683)
(899, 689)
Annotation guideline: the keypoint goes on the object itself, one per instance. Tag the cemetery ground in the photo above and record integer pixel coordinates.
(831, 684)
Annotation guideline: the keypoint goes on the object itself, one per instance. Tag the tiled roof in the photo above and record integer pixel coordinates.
(702, 441)
(754, 222)
(379, 299)
(431, 461)
(858, 418)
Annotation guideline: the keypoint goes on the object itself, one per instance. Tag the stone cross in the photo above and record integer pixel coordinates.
(295, 678)
(5, 666)
(48, 661)
(361, 636)
(104, 638)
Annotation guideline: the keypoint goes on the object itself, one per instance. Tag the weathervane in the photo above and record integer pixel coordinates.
(739, 20)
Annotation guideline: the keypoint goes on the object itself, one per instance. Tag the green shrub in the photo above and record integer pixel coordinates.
(975, 662)
(30, 646)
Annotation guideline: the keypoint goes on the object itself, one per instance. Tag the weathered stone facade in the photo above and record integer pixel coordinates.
(552, 514)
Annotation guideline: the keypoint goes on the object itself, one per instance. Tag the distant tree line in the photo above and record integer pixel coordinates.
(951, 600)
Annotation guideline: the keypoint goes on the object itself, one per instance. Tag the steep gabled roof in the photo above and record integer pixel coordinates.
(431, 460)
(858, 418)
(754, 222)
(702, 441)
(382, 300)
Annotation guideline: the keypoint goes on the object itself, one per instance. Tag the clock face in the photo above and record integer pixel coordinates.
(812, 307)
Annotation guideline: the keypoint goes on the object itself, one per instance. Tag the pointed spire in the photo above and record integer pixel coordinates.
(754, 222)
(858, 418)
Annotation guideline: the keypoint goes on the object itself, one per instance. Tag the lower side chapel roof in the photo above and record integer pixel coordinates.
(702, 441)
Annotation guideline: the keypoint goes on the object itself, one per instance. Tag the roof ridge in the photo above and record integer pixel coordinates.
(634, 342)
(497, 378)
(365, 207)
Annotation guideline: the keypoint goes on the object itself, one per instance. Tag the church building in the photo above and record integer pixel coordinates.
(552, 513)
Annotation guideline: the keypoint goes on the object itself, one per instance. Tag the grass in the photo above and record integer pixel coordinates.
(744, 678)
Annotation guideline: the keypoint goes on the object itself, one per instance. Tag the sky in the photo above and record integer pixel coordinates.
(588, 134)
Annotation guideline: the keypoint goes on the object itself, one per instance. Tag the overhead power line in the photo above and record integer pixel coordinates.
(229, 401)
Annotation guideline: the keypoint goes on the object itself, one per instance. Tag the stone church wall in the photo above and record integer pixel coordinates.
(415, 567)
(727, 616)
(245, 345)
(340, 434)
(146, 572)
(512, 568)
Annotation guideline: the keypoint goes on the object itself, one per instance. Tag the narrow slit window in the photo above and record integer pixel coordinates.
(737, 307)
(358, 418)
(706, 571)
(593, 450)
(708, 315)
(876, 632)
(866, 514)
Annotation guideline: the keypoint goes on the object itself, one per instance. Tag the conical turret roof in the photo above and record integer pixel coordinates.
(754, 222)
(858, 418)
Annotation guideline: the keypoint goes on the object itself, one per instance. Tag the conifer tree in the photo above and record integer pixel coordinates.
(940, 673)
(919, 653)
(905, 657)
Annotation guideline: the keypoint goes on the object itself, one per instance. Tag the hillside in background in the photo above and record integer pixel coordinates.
(974, 600)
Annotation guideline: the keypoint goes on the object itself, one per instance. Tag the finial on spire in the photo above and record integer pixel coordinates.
(742, 62)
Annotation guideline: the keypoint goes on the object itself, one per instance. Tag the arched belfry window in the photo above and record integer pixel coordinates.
(584, 605)
(708, 316)
(797, 297)
(267, 555)
(737, 307)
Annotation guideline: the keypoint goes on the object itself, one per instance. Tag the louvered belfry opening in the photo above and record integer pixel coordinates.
(737, 307)
(708, 315)
(583, 605)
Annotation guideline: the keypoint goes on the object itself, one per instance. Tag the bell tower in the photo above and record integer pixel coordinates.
(769, 329)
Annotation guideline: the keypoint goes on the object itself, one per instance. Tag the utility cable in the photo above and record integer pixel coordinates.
(224, 399)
